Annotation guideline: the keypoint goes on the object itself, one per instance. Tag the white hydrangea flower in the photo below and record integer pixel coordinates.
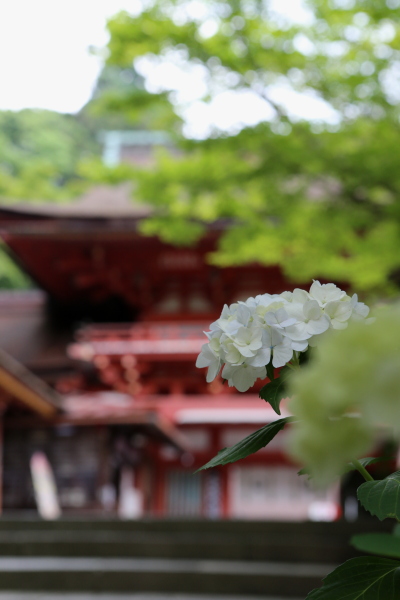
(310, 320)
(274, 345)
(279, 319)
(298, 296)
(360, 310)
(247, 341)
(281, 347)
(242, 377)
(274, 329)
(325, 292)
(209, 358)
(339, 312)
(229, 352)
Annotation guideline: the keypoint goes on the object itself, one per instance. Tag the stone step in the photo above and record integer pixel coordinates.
(145, 596)
(338, 529)
(257, 579)
(112, 544)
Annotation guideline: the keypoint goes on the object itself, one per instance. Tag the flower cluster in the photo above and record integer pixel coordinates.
(356, 374)
(274, 329)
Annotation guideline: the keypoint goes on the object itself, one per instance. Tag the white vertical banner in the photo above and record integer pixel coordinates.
(130, 504)
(44, 486)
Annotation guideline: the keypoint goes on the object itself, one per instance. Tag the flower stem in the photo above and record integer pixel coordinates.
(362, 470)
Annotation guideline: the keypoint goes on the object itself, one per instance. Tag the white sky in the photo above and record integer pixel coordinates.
(44, 51)
(45, 63)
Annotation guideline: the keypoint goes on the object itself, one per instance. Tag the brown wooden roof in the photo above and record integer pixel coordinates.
(99, 202)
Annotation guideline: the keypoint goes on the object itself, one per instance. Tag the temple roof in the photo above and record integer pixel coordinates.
(99, 202)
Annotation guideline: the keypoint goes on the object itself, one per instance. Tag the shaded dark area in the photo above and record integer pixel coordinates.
(67, 316)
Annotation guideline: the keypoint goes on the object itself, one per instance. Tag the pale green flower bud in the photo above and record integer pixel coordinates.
(349, 389)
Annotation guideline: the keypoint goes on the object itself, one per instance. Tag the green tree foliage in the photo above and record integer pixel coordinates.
(321, 200)
(39, 155)
(40, 152)
(11, 276)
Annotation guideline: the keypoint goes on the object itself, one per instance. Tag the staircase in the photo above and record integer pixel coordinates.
(182, 558)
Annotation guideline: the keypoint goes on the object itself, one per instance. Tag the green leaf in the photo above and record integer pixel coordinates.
(270, 371)
(274, 391)
(248, 445)
(377, 543)
(363, 578)
(382, 498)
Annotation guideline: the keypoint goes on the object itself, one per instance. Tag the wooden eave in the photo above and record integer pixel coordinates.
(156, 426)
(23, 386)
(77, 218)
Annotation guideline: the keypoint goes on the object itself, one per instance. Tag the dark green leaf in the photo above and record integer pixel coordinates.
(275, 391)
(270, 371)
(377, 543)
(363, 578)
(382, 498)
(248, 445)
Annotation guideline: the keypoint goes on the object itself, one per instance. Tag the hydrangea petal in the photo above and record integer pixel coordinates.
(312, 310)
(213, 370)
(205, 357)
(315, 327)
(261, 359)
(282, 354)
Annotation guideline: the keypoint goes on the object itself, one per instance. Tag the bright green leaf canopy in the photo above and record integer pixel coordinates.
(320, 199)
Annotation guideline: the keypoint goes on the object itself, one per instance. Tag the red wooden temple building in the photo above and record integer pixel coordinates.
(98, 372)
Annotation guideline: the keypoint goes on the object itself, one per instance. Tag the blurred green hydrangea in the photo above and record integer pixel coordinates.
(348, 392)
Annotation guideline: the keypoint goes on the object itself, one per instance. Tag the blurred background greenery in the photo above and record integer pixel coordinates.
(320, 197)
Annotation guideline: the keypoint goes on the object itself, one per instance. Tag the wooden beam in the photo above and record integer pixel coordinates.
(24, 394)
